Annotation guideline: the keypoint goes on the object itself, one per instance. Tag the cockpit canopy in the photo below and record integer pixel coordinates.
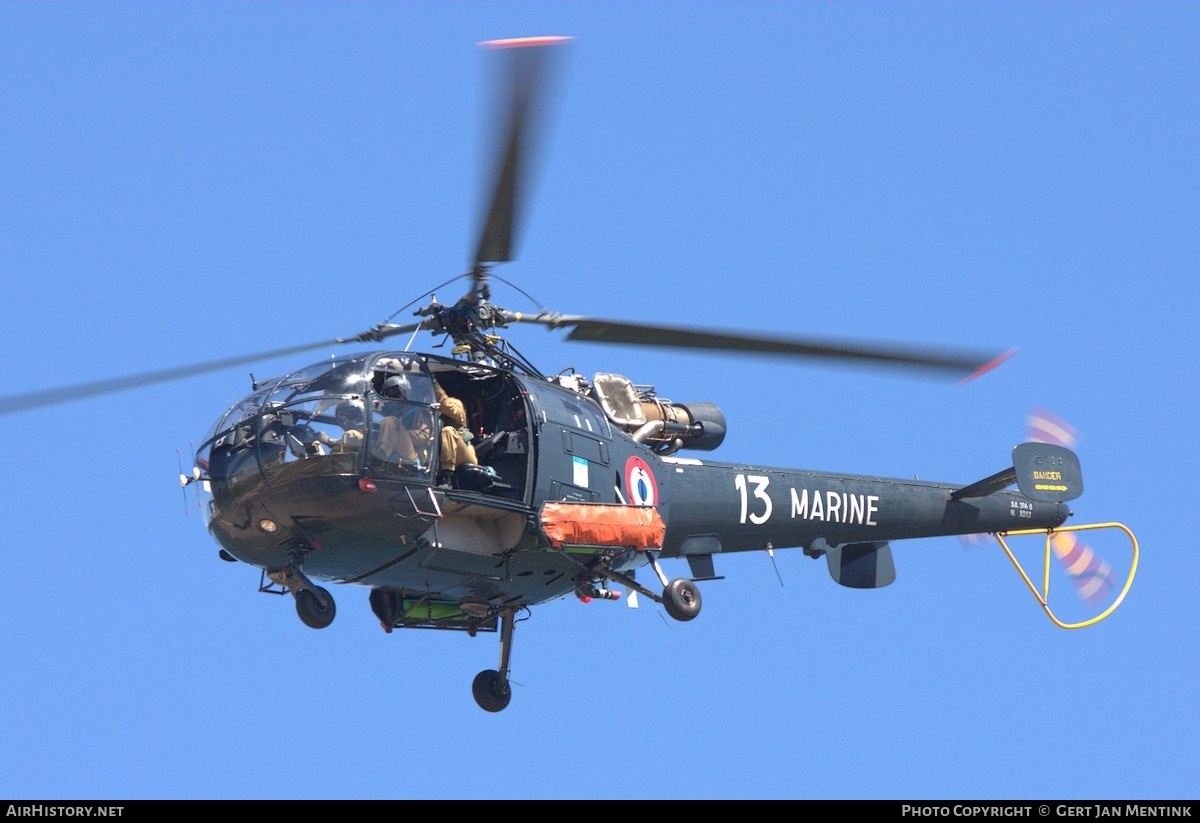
(378, 408)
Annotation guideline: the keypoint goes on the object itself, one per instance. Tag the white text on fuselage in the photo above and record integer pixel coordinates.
(836, 507)
(827, 506)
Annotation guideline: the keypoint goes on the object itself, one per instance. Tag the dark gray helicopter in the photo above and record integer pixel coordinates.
(463, 490)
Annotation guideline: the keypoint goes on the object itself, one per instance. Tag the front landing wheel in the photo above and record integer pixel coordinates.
(682, 599)
(490, 692)
(315, 607)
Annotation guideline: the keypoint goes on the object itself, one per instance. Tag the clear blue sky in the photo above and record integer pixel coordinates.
(190, 181)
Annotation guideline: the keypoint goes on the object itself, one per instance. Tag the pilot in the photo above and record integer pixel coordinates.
(402, 380)
(420, 430)
(396, 387)
(405, 435)
(349, 415)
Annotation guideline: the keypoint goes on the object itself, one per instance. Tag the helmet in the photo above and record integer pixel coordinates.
(395, 387)
(349, 413)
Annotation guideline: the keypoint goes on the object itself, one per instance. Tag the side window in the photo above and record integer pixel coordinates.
(402, 438)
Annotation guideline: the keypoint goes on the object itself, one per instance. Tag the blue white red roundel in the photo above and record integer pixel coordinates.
(639, 483)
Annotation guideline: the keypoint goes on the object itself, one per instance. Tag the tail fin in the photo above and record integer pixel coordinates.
(1046, 465)
(1042, 471)
(1093, 577)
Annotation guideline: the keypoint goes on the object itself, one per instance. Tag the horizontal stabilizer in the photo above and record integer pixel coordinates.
(1042, 471)
(987, 485)
(861, 565)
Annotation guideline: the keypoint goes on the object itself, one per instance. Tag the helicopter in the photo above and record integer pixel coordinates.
(463, 489)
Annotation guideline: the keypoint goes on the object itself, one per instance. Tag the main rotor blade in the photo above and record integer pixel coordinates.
(963, 364)
(527, 61)
(67, 393)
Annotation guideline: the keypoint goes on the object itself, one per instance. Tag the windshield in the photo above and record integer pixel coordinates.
(375, 410)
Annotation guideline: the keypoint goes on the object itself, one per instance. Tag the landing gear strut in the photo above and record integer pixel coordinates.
(314, 604)
(491, 688)
(680, 597)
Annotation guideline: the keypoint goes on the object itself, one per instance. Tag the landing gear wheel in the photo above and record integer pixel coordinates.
(681, 599)
(489, 692)
(312, 612)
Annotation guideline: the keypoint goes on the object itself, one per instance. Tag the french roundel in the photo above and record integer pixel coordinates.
(639, 483)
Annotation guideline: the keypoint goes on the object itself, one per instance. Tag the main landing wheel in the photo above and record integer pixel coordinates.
(490, 692)
(682, 599)
(315, 607)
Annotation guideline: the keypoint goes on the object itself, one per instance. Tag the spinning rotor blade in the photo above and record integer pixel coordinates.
(65, 394)
(527, 59)
(964, 364)
(48, 397)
